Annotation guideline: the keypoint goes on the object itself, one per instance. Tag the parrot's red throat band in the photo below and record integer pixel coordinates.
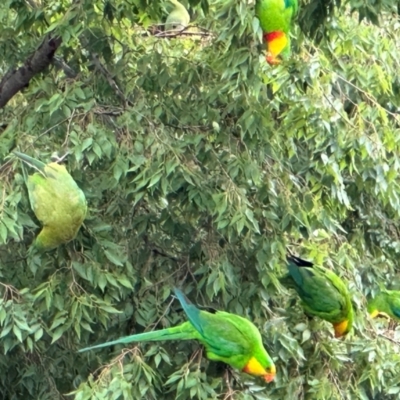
(269, 37)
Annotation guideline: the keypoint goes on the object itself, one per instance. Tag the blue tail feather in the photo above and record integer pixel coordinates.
(192, 312)
(294, 266)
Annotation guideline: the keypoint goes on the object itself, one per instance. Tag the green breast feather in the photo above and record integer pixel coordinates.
(57, 201)
(276, 15)
(227, 337)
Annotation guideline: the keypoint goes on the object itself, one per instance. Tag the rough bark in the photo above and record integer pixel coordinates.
(17, 79)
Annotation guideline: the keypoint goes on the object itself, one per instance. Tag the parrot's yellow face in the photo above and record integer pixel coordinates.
(377, 313)
(276, 42)
(253, 367)
(342, 328)
(374, 313)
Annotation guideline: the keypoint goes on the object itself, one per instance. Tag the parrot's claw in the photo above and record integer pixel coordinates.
(54, 157)
(272, 60)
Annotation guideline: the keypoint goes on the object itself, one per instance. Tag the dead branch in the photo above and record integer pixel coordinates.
(159, 32)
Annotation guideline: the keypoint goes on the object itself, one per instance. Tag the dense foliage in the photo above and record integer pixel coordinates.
(201, 165)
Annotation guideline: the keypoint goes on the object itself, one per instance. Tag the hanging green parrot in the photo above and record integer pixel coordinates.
(57, 202)
(275, 18)
(322, 292)
(178, 18)
(227, 337)
(387, 302)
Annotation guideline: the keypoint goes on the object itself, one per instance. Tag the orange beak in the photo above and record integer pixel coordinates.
(269, 377)
(253, 367)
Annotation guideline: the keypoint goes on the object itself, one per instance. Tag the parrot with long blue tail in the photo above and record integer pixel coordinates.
(227, 337)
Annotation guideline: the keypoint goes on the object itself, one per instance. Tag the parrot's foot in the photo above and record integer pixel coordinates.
(272, 60)
(382, 314)
(54, 157)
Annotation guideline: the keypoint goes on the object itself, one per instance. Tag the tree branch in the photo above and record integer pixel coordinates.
(17, 79)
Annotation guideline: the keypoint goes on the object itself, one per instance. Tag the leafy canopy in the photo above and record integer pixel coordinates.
(201, 164)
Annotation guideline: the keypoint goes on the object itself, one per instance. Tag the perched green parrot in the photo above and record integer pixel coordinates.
(178, 18)
(322, 292)
(275, 18)
(227, 337)
(387, 302)
(57, 202)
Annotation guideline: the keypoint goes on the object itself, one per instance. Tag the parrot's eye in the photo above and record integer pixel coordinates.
(271, 369)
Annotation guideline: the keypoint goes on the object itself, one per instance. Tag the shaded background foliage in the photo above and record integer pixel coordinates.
(201, 165)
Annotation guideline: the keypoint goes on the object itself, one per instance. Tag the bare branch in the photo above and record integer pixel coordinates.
(61, 64)
(159, 32)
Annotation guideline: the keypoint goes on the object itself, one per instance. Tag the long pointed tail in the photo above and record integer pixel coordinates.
(31, 161)
(185, 331)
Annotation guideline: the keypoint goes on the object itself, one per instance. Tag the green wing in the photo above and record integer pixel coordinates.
(227, 337)
(323, 293)
(218, 330)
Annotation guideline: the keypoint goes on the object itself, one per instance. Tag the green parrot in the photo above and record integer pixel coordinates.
(275, 18)
(178, 18)
(322, 292)
(387, 302)
(57, 202)
(227, 337)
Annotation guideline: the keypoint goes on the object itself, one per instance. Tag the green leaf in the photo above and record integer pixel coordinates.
(113, 258)
(17, 333)
(57, 334)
